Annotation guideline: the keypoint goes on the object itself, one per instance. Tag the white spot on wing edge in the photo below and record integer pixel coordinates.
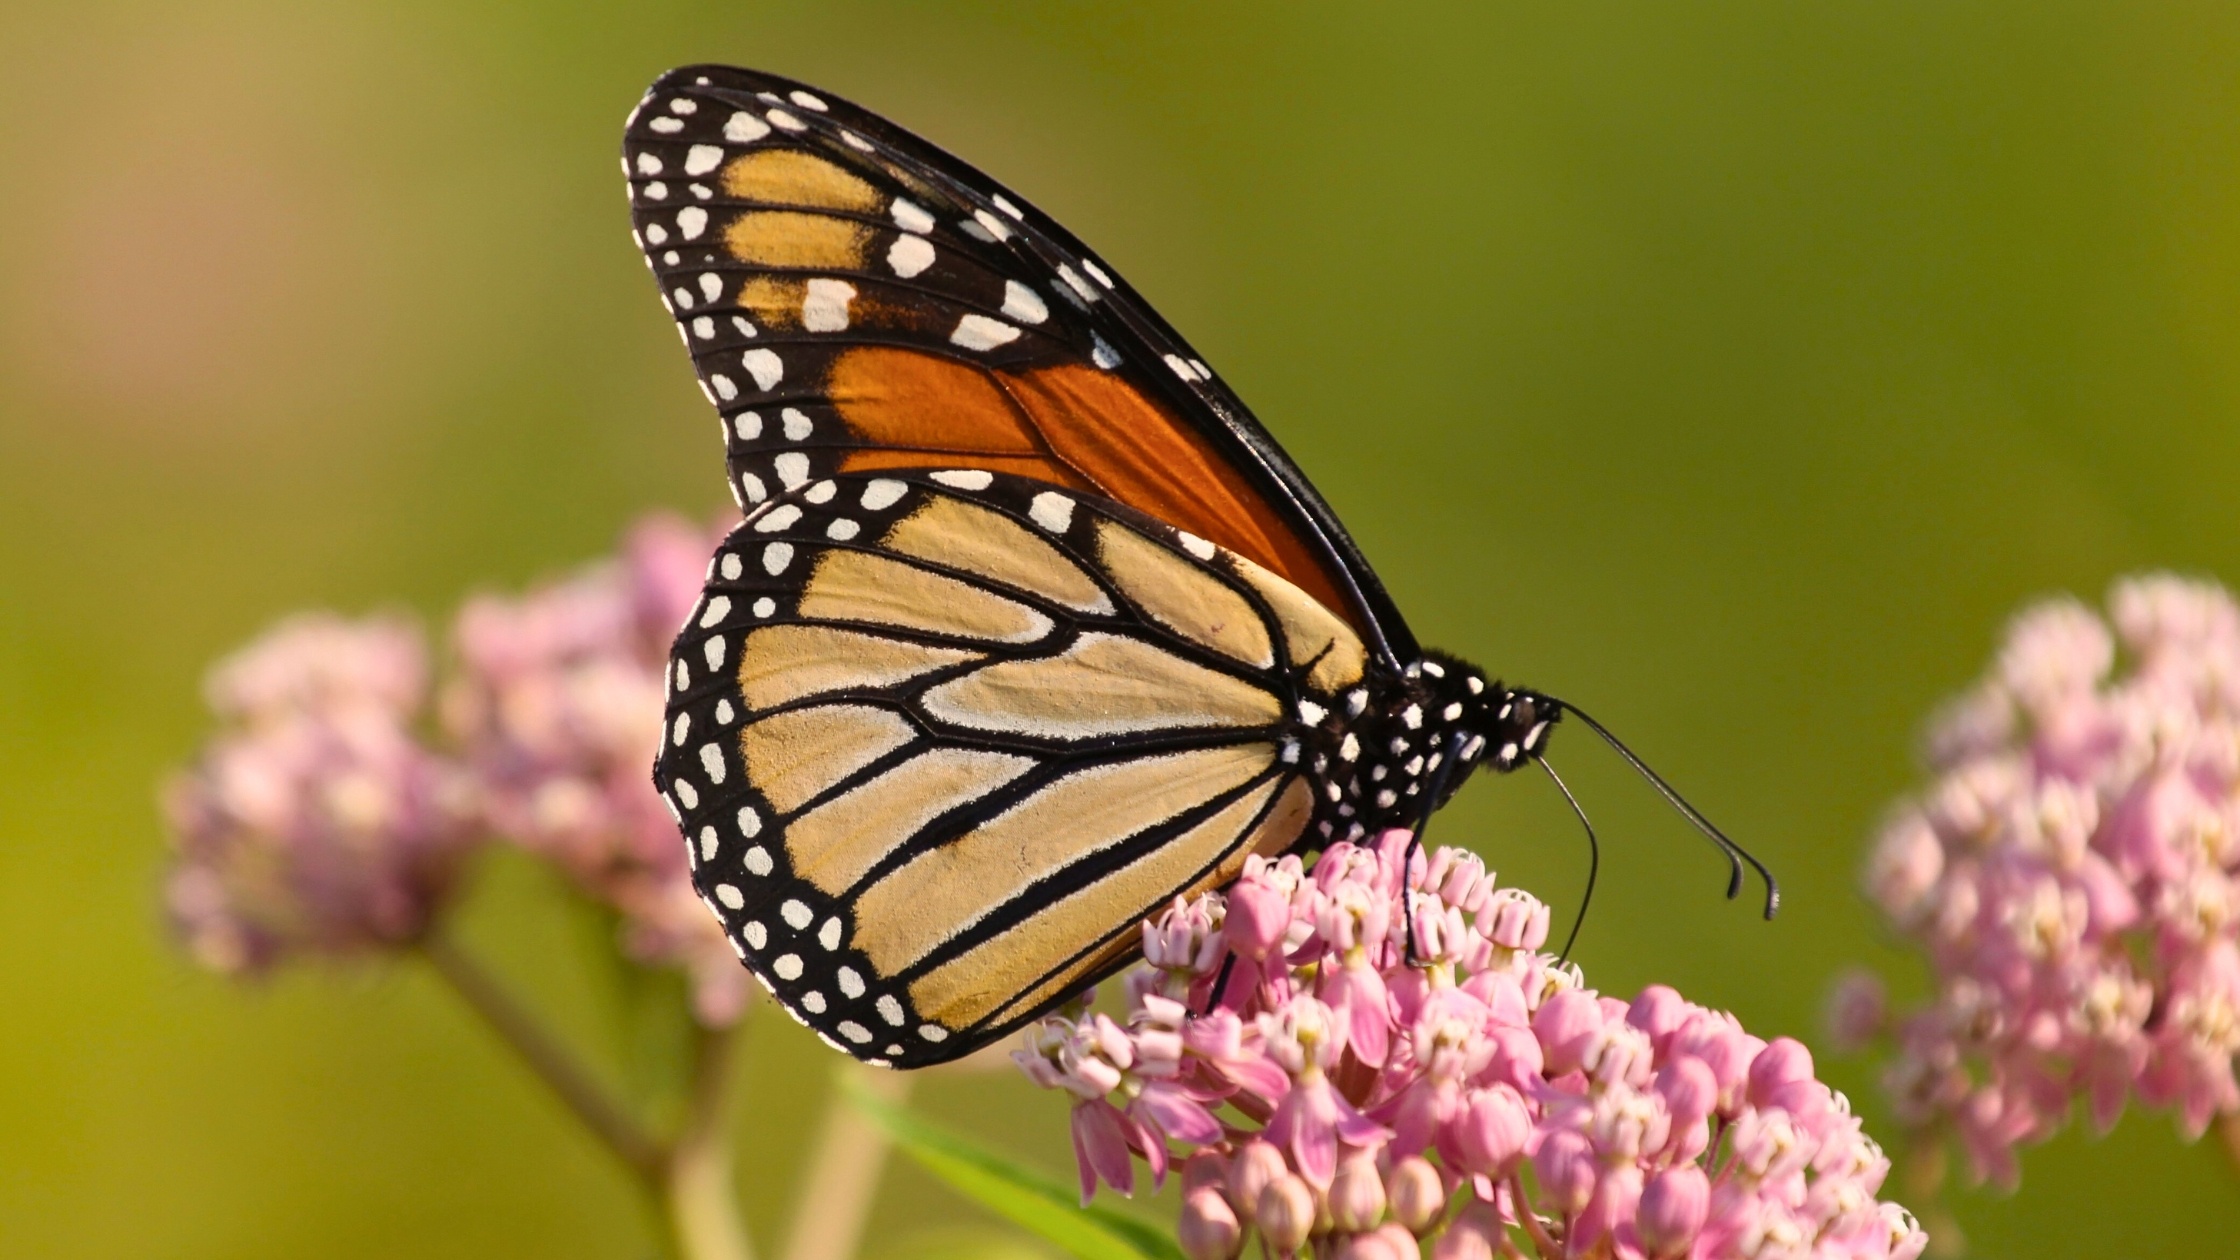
(792, 468)
(1052, 511)
(1195, 545)
(744, 128)
(1003, 203)
(777, 518)
(765, 366)
(1072, 280)
(965, 478)
(910, 216)
(1024, 304)
(910, 255)
(702, 158)
(692, 221)
(807, 100)
(978, 332)
(731, 897)
(711, 760)
(883, 493)
(776, 557)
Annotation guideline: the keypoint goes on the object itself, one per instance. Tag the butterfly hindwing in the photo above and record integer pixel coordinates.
(941, 740)
(855, 299)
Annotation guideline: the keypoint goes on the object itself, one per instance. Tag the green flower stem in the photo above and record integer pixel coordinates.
(843, 1177)
(689, 1175)
(697, 1185)
(550, 1060)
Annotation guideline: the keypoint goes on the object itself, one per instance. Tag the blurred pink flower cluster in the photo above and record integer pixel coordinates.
(1339, 1096)
(326, 818)
(315, 821)
(2070, 874)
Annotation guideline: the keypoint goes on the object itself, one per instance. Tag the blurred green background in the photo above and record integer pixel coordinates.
(1731, 368)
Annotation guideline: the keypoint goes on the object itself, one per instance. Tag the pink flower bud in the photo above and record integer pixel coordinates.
(1716, 1039)
(1516, 1059)
(1690, 1091)
(1617, 1192)
(1357, 1196)
(1204, 1169)
(1285, 1214)
(1373, 1246)
(1472, 1235)
(1673, 1206)
(1565, 1165)
(1255, 1165)
(1398, 1241)
(1257, 918)
(1564, 1024)
(1491, 1131)
(1659, 1012)
(1781, 1076)
(1207, 1228)
(1416, 1193)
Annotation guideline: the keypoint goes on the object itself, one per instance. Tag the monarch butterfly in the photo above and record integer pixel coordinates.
(1030, 627)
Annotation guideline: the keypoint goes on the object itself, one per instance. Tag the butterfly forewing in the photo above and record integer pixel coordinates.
(941, 740)
(855, 299)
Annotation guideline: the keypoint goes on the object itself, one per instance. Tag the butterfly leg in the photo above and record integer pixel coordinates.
(1220, 986)
(1433, 792)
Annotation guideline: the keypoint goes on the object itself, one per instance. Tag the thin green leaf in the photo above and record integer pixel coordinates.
(1031, 1200)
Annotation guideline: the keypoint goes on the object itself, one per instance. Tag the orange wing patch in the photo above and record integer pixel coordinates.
(789, 177)
(1071, 425)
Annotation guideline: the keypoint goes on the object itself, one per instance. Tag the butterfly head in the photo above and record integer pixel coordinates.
(1487, 724)
(1516, 724)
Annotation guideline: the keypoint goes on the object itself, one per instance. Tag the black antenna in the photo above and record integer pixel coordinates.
(1594, 859)
(1735, 854)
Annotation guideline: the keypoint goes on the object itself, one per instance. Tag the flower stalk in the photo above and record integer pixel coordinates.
(688, 1174)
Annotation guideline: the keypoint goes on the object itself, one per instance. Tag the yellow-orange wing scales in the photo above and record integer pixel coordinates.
(941, 739)
(855, 299)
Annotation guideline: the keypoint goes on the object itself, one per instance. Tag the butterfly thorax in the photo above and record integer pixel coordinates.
(1389, 741)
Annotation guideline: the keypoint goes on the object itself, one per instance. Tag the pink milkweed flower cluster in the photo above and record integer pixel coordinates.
(1343, 1094)
(326, 818)
(557, 706)
(315, 822)
(2070, 874)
